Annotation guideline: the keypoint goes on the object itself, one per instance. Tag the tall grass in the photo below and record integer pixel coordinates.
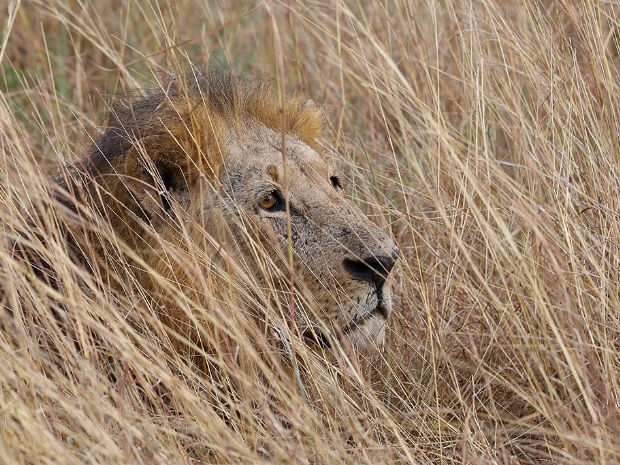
(483, 134)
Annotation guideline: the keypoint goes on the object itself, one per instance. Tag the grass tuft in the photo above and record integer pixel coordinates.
(483, 134)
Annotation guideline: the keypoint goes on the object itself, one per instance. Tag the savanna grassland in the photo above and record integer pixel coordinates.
(484, 135)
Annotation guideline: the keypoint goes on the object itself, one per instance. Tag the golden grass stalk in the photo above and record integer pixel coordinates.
(483, 134)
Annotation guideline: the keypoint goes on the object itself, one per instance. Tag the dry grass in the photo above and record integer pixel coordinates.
(483, 133)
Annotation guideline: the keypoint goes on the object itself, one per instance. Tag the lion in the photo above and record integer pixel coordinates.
(223, 160)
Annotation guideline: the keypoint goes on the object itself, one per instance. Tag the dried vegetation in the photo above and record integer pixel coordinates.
(484, 134)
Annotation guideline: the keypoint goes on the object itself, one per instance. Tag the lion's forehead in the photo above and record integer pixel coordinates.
(265, 148)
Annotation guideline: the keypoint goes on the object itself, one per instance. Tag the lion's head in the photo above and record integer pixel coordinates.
(213, 150)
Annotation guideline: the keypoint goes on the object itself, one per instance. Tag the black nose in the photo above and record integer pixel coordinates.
(375, 268)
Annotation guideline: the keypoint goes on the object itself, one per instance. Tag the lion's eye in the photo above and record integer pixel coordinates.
(269, 201)
(336, 182)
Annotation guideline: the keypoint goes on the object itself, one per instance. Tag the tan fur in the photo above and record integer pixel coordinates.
(204, 150)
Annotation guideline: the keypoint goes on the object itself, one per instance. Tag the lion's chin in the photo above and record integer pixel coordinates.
(368, 335)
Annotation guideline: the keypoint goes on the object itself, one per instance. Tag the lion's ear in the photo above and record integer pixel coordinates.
(155, 169)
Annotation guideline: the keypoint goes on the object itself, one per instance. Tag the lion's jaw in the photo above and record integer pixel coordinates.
(339, 255)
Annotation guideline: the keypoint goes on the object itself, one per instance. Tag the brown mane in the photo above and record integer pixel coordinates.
(202, 109)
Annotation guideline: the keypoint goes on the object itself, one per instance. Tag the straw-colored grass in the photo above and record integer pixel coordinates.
(483, 134)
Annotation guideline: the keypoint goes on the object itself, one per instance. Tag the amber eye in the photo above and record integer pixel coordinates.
(269, 201)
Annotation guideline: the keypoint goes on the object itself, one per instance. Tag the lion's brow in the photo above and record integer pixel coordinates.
(316, 168)
(272, 170)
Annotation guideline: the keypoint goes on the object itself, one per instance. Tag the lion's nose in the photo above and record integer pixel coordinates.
(375, 268)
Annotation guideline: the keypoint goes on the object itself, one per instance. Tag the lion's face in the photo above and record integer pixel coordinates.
(148, 169)
(339, 255)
